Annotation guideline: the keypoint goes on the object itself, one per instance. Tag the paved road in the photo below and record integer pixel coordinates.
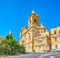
(32, 55)
(37, 55)
(50, 55)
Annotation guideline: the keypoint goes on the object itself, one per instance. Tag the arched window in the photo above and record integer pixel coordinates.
(35, 20)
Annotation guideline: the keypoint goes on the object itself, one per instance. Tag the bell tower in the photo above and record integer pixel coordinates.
(33, 19)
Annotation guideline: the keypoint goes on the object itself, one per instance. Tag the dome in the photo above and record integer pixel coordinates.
(41, 26)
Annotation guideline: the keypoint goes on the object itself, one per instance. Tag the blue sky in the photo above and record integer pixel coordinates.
(14, 14)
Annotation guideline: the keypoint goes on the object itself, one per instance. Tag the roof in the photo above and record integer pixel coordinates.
(41, 26)
(33, 13)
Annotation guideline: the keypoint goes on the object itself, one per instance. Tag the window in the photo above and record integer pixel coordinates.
(43, 46)
(44, 30)
(56, 46)
(39, 47)
(46, 47)
(35, 20)
(28, 46)
(55, 32)
(59, 32)
(55, 39)
(22, 41)
(41, 31)
(36, 33)
(30, 20)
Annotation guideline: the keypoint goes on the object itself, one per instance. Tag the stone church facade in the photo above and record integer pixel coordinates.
(37, 38)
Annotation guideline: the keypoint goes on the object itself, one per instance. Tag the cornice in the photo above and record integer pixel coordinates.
(55, 35)
(30, 28)
(40, 37)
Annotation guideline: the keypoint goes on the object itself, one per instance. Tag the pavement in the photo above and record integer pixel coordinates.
(37, 55)
(50, 55)
(31, 55)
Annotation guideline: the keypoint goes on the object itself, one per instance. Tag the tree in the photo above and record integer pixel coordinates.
(8, 37)
(9, 46)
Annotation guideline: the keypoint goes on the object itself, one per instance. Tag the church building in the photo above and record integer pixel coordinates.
(37, 38)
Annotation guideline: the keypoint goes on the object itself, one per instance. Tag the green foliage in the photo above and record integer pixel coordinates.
(11, 47)
(33, 50)
(5, 49)
(9, 37)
